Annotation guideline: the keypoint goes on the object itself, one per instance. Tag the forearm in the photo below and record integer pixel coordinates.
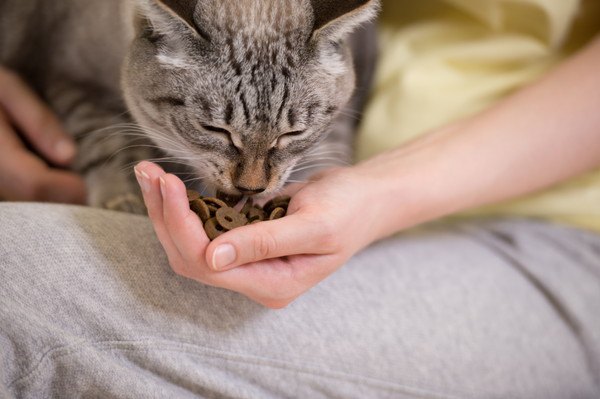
(540, 136)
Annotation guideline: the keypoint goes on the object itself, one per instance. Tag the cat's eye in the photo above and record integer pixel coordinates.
(168, 101)
(295, 133)
(287, 138)
(224, 132)
(215, 129)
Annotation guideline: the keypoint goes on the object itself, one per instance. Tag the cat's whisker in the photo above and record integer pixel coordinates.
(135, 130)
(341, 161)
(355, 115)
(322, 165)
(200, 178)
(166, 160)
(341, 149)
(326, 152)
(329, 152)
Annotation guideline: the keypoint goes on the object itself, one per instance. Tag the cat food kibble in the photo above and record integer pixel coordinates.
(214, 202)
(277, 213)
(231, 219)
(193, 195)
(219, 216)
(229, 199)
(255, 213)
(277, 202)
(213, 228)
(201, 209)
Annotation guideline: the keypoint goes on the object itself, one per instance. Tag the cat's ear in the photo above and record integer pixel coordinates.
(166, 15)
(183, 9)
(334, 19)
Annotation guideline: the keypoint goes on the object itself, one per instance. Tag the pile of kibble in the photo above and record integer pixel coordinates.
(219, 216)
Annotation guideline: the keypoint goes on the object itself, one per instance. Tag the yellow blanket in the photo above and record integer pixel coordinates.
(442, 60)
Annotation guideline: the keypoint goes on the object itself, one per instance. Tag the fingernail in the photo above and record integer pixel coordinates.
(163, 187)
(143, 179)
(65, 149)
(223, 256)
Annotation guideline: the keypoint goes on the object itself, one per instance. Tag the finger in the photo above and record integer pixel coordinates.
(183, 225)
(62, 187)
(293, 235)
(148, 175)
(27, 178)
(9, 139)
(45, 186)
(35, 120)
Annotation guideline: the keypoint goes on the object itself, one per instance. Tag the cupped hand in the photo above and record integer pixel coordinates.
(273, 263)
(24, 175)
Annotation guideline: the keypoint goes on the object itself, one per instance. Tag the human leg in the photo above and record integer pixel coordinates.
(89, 306)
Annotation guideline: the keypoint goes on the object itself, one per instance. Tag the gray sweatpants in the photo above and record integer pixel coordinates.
(500, 309)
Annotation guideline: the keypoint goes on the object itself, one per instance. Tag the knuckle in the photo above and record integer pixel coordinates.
(329, 237)
(264, 245)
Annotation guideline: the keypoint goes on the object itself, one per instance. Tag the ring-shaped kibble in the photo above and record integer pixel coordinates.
(215, 202)
(200, 209)
(212, 210)
(230, 199)
(277, 202)
(213, 229)
(277, 213)
(256, 213)
(193, 195)
(230, 219)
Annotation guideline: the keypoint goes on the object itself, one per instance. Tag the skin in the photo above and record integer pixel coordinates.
(543, 135)
(25, 175)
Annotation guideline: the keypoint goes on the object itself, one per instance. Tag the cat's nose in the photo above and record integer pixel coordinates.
(250, 191)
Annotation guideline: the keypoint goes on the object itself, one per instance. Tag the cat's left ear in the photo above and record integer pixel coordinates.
(334, 19)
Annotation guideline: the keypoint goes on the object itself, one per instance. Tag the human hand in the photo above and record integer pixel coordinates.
(274, 262)
(25, 176)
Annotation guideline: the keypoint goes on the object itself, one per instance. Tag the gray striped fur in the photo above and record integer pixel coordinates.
(215, 85)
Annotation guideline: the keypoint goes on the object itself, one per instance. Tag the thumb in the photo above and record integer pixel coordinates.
(291, 235)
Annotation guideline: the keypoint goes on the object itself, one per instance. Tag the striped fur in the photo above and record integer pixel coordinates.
(241, 93)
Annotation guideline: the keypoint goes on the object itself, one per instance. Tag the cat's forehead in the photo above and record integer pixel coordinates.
(260, 19)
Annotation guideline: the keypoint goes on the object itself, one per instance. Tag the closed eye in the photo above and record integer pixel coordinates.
(219, 130)
(172, 101)
(288, 138)
(215, 129)
(294, 133)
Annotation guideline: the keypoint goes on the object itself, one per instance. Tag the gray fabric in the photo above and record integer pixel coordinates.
(502, 309)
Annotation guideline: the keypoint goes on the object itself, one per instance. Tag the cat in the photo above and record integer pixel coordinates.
(242, 95)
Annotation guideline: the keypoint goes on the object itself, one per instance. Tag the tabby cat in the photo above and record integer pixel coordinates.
(243, 95)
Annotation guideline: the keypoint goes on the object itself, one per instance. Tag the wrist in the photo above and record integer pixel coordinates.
(409, 186)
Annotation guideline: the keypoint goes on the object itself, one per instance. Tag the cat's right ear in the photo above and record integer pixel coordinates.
(334, 19)
(168, 16)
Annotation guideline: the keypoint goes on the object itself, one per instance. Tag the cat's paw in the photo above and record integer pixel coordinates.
(129, 203)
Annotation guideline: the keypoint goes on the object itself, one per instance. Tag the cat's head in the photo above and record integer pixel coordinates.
(241, 89)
